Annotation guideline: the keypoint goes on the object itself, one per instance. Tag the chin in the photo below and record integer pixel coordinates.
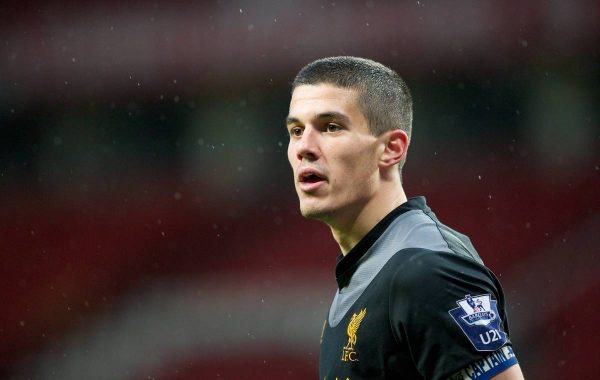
(313, 212)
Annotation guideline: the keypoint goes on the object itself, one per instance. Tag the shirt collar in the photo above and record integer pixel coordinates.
(347, 265)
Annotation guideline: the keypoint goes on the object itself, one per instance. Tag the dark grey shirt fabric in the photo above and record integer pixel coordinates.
(396, 311)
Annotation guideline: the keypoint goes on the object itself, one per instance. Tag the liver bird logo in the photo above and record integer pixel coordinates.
(353, 328)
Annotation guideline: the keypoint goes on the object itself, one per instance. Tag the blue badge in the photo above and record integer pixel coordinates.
(478, 318)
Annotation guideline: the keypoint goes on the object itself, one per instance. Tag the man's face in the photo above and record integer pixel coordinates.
(332, 152)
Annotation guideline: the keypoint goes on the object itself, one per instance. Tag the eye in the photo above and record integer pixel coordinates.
(331, 127)
(296, 131)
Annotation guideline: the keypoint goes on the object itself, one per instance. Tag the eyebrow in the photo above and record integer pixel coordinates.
(322, 116)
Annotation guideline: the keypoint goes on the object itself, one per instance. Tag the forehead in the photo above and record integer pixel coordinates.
(310, 100)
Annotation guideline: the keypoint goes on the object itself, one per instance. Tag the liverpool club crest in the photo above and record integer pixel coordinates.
(348, 353)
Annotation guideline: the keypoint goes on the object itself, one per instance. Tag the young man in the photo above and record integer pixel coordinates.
(414, 300)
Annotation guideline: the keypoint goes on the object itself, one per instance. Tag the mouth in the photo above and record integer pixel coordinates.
(309, 179)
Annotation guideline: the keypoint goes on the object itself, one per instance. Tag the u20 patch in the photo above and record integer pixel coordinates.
(478, 318)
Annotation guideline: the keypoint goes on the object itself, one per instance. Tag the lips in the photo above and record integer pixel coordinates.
(310, 179)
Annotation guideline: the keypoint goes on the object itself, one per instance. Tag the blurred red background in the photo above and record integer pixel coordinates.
(149, 224)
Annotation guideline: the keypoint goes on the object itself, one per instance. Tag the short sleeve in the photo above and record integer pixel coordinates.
(448, 310)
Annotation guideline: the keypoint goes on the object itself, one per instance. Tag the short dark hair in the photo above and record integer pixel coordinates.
(383, 97)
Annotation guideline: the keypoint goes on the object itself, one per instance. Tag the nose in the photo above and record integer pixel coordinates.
(307, 147)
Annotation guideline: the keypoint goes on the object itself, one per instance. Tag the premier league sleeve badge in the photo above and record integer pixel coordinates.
(478, 318)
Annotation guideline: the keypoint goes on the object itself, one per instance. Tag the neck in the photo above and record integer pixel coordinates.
(348, 234)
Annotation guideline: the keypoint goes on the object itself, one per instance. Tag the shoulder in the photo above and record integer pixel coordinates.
(422, 230)
(449, 301)
(420, 278)
(419, 266)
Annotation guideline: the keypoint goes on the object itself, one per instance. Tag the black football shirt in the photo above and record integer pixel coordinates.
(414, 301)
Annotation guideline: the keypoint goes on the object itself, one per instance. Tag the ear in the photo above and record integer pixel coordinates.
(396, 146)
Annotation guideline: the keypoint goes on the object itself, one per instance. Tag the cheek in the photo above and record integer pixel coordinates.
(358, 164)
(352, 175)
